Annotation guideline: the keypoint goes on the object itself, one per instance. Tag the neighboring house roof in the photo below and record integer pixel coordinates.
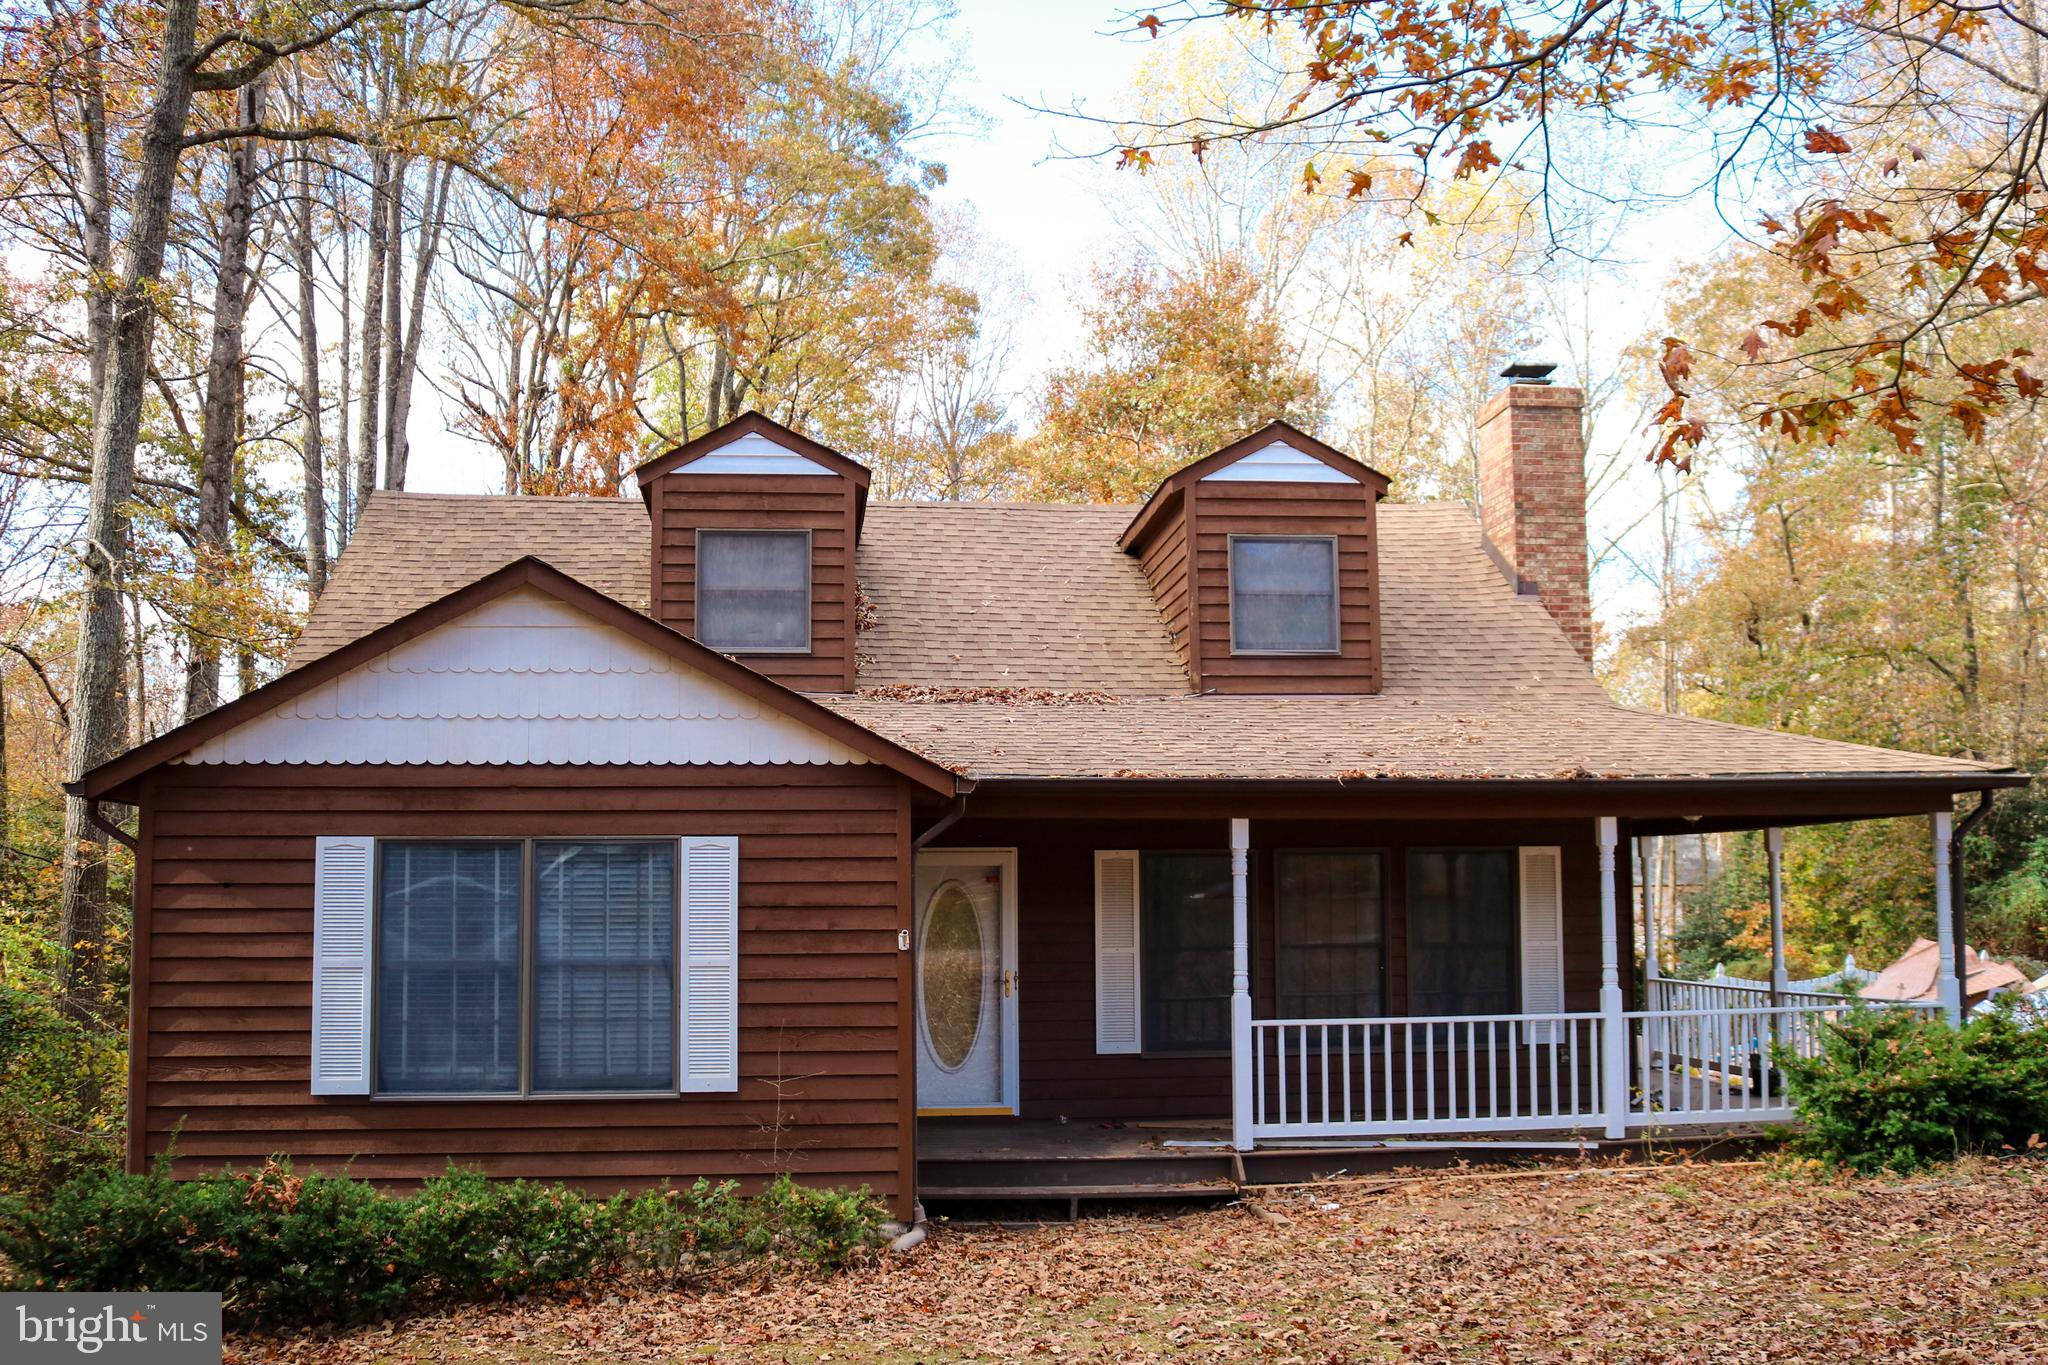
(1017, 641)
(1912, 976)
(271, 703)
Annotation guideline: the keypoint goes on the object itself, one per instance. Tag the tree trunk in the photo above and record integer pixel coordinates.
(394, 319)
(310, 453)
(138, 659)
(433, 213)
(98, 217)
(373, 333)
(97, 723)
(220, 426)
(344, 465)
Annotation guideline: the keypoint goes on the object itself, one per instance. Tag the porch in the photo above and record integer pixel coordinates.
(1091, 1106)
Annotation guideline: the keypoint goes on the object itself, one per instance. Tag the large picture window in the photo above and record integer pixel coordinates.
(1329, 914)
(1283, 595)
(1185, 976)
(1462, 932)
(754, 591)
(520, 966)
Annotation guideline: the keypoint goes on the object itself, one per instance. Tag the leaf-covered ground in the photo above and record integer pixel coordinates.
(1672, 1263)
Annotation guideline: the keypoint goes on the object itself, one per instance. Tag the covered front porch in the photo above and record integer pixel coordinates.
(1191, 1001)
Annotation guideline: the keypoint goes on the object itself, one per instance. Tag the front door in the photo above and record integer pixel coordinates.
(966, 981)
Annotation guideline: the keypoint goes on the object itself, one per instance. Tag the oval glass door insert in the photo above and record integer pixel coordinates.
(955, 975)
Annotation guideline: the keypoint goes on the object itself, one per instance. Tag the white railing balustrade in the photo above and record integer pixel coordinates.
(1717, 1065)
(1671, 993)
(1528, 1073)
(1317, 1078)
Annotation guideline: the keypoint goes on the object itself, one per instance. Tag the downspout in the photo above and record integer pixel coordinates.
(1957, 892)
(113, 831)
(946, 821)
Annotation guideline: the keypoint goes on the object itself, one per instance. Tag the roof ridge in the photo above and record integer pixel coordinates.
(412, 495)
(1015, 504)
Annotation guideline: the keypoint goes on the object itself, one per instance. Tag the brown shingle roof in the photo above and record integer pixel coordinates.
(1010, 595)
(1016, 640)
(1387, 736)
(410, 549)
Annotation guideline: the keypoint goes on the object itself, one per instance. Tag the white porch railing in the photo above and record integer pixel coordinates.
(1716, 1065)
(1670, 993)
(1316, 1078)
(1529, 1073)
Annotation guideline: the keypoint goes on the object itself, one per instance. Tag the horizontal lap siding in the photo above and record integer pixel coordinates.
(1165, 560)
(227, 976)
(1060, 1073)
(1346, 511)
(686, 503)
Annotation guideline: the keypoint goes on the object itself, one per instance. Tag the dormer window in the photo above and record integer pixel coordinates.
(754, 591)
(1283, 595)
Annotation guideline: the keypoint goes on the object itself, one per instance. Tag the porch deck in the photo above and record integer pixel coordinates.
(993, 1159)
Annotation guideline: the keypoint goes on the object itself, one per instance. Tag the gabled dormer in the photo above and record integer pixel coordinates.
(754, 536)
(1264, 559)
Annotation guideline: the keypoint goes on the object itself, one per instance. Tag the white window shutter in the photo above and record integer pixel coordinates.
(708, 996)
(1542, 881)
(1116, 952)
(343, 874)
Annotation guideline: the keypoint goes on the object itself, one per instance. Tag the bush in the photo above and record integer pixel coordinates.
(284, 1249)
(474, 1238)
(278, 1247)
(1897, 1089)
(678, 1232)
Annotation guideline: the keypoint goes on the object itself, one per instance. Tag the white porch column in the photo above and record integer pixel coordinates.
(1774, 846)
(1948, 983)
(1653, 967)
(1614, 1051)
(1240, 986)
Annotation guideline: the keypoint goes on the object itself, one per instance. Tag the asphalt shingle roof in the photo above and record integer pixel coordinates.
(1015, 640)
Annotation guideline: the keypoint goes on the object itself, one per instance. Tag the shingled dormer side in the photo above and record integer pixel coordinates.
(1276, 485)
(753, 474)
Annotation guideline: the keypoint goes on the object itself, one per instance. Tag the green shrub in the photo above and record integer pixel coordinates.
(824, 1228)
(1896, 1089)
(278, 1247)
(476, 1238)
(284, 1249)
(678, 1232)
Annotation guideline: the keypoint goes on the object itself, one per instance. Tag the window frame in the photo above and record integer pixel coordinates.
(1386, 910)
(697, 587)
(1513, 854)
(1336, 607)
(529, 895)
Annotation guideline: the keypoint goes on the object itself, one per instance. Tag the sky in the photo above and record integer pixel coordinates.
(1038, 197)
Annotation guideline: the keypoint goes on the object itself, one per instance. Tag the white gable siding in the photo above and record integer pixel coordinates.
(523, 679)
(1277, 463)
(753, 454)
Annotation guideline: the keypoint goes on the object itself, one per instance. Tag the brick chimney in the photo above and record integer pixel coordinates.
(1532, 493)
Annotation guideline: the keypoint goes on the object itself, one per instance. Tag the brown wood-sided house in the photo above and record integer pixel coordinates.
(754, 826)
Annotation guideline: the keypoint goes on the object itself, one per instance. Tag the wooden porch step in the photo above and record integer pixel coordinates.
(1214, 1189)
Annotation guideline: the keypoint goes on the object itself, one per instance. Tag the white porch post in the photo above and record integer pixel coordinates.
(1948, 983)
(1614, 1052)
(1781, 980)
(1240, 986)
(1653, 967)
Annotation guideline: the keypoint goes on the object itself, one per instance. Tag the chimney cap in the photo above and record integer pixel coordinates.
(1528, 372)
